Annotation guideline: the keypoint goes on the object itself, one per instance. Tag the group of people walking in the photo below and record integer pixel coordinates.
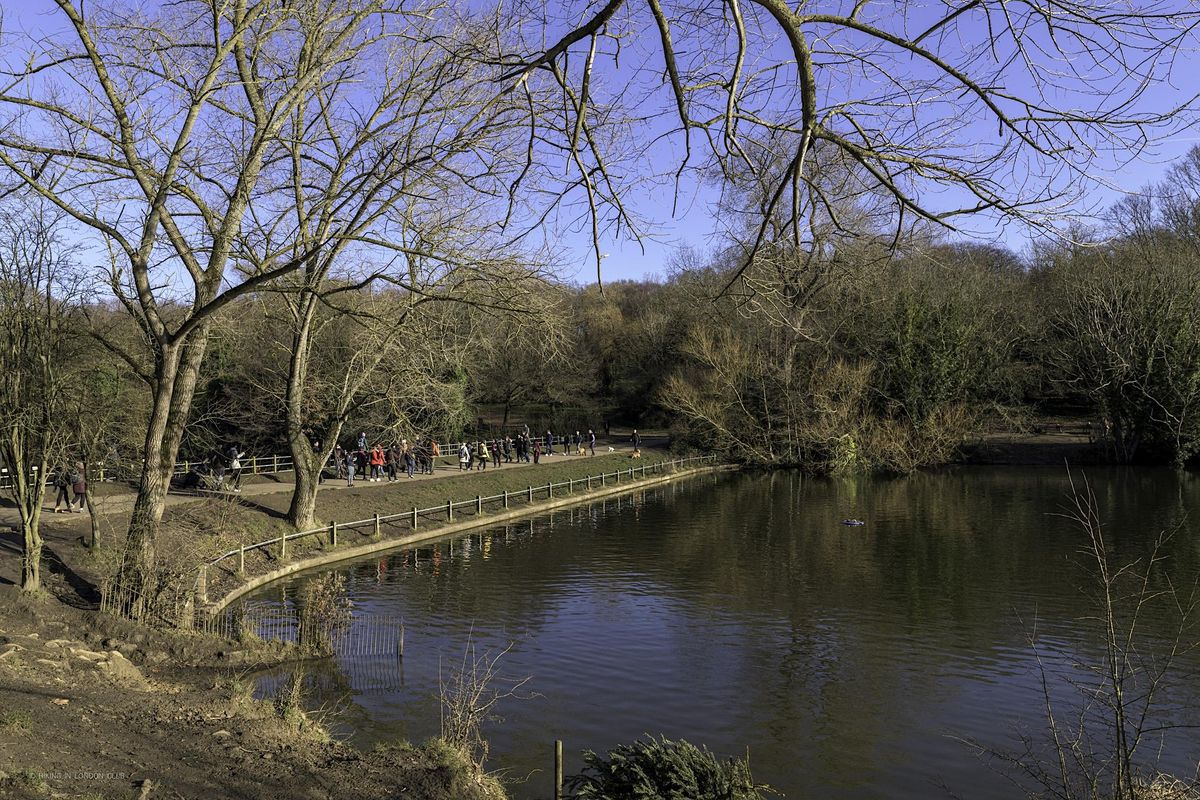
(522, 448)
(74, 478)
(379, 462)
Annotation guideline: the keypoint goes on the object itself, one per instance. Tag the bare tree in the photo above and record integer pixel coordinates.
(33, 351)
(939, 114)
(1104, 741)
(161, 133)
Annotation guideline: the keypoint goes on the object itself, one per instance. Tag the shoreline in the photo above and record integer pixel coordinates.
(440, 532)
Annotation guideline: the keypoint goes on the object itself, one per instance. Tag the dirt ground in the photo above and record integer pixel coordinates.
(91, 707)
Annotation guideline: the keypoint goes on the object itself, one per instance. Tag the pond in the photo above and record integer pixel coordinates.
(735, 611)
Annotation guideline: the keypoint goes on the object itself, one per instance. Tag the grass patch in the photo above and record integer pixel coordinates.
(16, 721)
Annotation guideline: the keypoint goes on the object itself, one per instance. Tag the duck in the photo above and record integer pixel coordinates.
(854, 523)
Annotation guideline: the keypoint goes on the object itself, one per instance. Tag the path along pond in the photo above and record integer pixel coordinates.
(735, 611)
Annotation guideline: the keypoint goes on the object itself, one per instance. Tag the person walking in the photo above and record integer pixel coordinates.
(537, 451)
(339, 461)
(349, 463)
(410, 459)
(378, 459)
(636, 438)
(427, 456)
(483, 455)
(235, 466)
(592, 440)
(362, 441)
(62, 482)
(393, 455)
(464, 457)
(79, 486)
(495, 452)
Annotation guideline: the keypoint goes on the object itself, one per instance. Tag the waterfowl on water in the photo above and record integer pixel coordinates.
(853, 522)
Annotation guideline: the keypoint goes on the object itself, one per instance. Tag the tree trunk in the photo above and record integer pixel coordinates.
(176, 373)
(307, 464)
(31, 561)
(302, 511)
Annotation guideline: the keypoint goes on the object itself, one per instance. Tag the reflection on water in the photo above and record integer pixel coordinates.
(736, 612)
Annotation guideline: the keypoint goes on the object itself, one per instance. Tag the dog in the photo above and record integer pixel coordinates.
(611, 449)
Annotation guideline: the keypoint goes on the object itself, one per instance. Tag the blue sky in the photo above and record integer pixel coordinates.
(693, 220)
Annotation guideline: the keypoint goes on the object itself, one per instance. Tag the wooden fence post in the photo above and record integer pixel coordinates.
(478, 505)
(378, 532)
(274, 464)
(558, 769)
(242, 560)
(450, 511)
(283, 547)
(549, 491)
(414, 521)
(531, 494)
(202, 586)
(506, 498)
(333, 534)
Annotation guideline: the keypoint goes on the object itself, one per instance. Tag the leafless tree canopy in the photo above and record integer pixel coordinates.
(944, 110)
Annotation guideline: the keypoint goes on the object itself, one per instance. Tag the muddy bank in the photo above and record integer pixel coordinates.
(91, 707)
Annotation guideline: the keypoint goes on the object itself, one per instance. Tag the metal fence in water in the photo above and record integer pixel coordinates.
(359, 635)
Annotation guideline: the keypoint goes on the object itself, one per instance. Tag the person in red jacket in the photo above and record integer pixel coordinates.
(377, 461)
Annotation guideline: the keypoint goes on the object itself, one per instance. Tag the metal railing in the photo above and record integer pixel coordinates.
(412, 519)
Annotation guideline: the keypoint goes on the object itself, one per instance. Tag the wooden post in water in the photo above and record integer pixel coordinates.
(558, 770)
(401, 643)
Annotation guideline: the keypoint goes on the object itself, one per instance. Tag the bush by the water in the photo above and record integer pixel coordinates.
(663, 770)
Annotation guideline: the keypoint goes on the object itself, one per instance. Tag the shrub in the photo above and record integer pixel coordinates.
(663, 770)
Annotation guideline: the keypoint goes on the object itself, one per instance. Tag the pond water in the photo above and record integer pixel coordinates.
(735, 611)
